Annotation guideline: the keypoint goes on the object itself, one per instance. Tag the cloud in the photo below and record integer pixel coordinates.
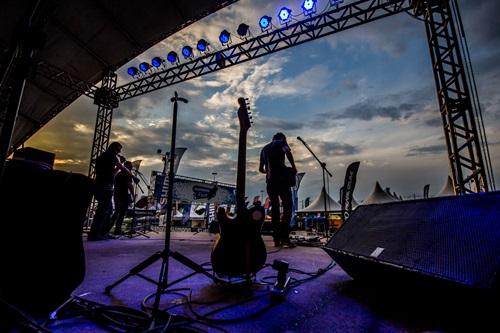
(426, 150)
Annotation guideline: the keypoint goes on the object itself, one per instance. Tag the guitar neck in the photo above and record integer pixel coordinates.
(241, 173)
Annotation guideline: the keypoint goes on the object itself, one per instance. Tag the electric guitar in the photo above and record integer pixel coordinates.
(240, 250)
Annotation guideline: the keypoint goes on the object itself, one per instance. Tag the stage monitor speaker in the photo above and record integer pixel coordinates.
(454, 241)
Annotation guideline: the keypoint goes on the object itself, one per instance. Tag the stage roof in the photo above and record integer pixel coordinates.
(83, 38)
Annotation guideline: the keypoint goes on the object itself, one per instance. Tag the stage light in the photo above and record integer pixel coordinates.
(220, 59)
(285, 15)
(202, 45)
(309, 7)
(144, 66)
(132, 71)
(224, 37)
(336, 2)
(265, 22)
(172, 57)
(187, 51)
(157, 62)
(242, 29)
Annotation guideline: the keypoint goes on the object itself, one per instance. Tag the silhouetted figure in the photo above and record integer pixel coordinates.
(272, 163)
(107, 165)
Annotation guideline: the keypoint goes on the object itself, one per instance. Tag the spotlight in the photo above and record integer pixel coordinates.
(157, 62)
(336, 2)
(187, 51)
(309, 7)
(224, 37)
(172, 57)
(132, 71)
(220, 59)
(144, 66)
(285, 15)
(242, 29)
(265, 22)
(202, 45)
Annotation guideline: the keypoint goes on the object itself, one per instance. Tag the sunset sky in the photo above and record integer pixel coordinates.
(366, 94)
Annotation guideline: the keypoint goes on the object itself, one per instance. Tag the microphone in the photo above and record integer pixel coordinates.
(300, 139)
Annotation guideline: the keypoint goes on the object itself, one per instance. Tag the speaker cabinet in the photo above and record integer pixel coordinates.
(41, 249)
(451, 240)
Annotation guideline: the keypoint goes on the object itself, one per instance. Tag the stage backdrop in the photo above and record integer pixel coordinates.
(188, 189)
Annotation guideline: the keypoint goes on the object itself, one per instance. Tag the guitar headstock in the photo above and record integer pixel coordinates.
(243, 114)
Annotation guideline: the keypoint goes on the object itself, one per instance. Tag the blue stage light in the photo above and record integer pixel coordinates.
(242, 29)
(224, 37)
(187, 51)
(265, 22)
(172, 57)
(202, 45)
(157, 62)
(336, 2)
(309, 7)
(132, 71)
(284, 15)
(144, 66)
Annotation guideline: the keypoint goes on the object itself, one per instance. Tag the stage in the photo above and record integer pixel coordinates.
(330, 302)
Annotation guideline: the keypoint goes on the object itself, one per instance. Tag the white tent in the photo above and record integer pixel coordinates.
(378, 196)
(447, 188)
(318, 204)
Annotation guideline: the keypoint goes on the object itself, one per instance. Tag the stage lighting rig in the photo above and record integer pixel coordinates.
(309, 7)
(132, 71)
(242, 29)
(202, 45)
(144, 67)
(172, 57)
(285, 15)
(157, 62)
(265, 23)
(220, 59)
(187, 52)
(224, 37)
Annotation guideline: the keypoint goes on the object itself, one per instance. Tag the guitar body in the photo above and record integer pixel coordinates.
(239, 250)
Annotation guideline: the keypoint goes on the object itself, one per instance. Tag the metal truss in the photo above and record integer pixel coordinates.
(314, 27)
(454, 96)
(102, 131)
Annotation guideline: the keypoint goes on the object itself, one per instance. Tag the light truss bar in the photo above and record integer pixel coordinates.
(338, 19)
(103, 123)
(59, 76)
(454, 97)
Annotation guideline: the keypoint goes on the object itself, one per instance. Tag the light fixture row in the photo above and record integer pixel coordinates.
(265, 23)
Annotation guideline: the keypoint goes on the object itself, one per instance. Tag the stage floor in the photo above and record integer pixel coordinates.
(330, 302)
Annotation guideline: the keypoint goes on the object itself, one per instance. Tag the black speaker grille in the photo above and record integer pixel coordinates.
(456, 238)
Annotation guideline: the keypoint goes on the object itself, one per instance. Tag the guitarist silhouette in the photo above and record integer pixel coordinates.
(240, 250)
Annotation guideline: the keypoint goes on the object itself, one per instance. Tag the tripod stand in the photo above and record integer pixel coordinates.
(325, 171)
(162, 283)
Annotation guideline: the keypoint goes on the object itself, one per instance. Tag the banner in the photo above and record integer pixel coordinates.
(426, 191)
(188, 189)
(348, 188)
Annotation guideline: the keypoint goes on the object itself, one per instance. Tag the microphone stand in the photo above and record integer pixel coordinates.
(325, 171)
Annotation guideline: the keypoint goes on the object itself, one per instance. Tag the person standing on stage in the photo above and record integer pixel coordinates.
(123, 196)
(107, 165)
(272, 163)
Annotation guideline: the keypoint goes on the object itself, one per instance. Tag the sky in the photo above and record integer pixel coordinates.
(366, 94)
